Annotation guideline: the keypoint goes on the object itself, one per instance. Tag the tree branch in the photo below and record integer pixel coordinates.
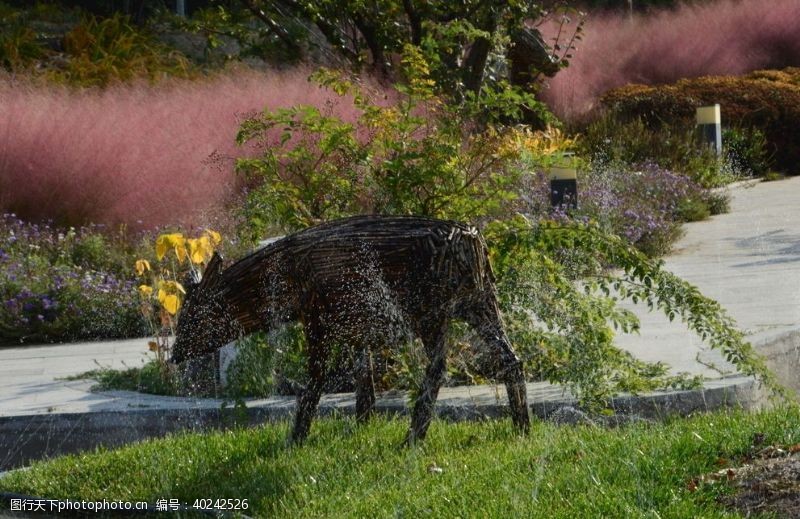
(279, 31)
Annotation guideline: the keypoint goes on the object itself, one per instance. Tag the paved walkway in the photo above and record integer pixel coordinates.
(749, 260)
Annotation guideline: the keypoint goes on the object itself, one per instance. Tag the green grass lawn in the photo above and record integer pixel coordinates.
(486, 470)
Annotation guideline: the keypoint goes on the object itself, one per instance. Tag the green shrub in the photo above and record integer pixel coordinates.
(268, 364)
(768, 101)
(717, 202)
(101, 52)
(745, 150)
(772, 176)
(693, 210)
(611, 141)
(413, 157)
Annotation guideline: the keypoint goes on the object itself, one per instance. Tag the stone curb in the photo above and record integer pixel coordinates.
(28, 438)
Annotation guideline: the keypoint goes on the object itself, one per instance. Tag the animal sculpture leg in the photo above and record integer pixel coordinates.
(514, 378)
(504, 363)
(309, 401)
(508, 368)
(365, 386)
(422, 413)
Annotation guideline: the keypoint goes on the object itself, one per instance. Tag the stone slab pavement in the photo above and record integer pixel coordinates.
(749, 260)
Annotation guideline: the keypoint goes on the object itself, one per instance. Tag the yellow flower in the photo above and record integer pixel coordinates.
(171, 304)
(142, 266)
(168, 295)
(145, 290)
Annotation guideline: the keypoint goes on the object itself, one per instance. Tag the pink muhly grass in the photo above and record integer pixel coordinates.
(135, 154)
(723, 37)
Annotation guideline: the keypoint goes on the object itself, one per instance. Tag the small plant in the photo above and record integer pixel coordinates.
(268, 364)
(161, 293)
(772, 176)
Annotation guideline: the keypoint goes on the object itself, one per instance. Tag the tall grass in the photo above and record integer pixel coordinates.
(134, 154)
(723, 37)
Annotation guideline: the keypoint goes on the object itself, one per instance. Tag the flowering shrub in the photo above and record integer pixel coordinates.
(63, 285)
(645, 204)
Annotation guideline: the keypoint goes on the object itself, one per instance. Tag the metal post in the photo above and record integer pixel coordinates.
(709, 121)
(180, 7)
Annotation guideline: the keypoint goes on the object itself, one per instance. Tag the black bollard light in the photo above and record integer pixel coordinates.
(709, 121)
(564, 186)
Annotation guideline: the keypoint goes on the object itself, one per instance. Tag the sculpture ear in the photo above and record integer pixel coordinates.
(212, 273)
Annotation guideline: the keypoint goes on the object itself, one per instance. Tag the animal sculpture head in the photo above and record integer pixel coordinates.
(204, 324)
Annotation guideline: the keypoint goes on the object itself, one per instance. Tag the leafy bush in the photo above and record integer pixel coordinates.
(561, 314)
(412, 157)
(746, 151)
(615, 142)
(52, 290)
(722, 37)
(269, 364)
(767, 101)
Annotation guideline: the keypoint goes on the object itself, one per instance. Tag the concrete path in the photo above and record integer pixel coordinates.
(749, 260)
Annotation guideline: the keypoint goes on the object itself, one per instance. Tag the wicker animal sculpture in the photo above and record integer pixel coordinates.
(358, 282)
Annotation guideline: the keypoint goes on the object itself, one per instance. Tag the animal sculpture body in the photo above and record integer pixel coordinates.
(349, 282)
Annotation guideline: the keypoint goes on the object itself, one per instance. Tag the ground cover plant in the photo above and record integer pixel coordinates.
(65, 284)
(746, 36)
(483, 468)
